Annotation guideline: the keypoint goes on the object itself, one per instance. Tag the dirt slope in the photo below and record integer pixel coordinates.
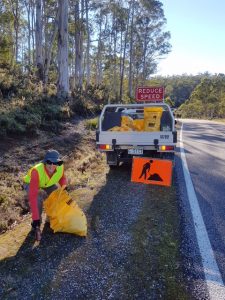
(17, 155)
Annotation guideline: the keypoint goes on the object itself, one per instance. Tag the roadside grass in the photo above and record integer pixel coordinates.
(92, 124)
(219, 120)
(157, 237)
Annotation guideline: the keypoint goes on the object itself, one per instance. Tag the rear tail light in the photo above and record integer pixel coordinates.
(167, 148)
(105, 147)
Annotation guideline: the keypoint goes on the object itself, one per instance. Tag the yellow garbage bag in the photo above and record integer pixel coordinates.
(138, 124)
(152, 118)
(127, 121)
(122, 128)
(64, 213)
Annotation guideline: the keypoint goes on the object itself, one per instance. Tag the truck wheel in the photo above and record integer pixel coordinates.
(112, 159)
(113, 167)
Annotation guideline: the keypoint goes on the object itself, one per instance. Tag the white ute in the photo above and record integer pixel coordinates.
(145, 130)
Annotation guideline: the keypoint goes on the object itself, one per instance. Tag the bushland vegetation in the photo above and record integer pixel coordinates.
(195, 96)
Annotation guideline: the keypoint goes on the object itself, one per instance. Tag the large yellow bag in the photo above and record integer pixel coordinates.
(152, 118)
(64, 213)
(127, 121)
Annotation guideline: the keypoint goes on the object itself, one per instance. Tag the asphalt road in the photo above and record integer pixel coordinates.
(203, 143)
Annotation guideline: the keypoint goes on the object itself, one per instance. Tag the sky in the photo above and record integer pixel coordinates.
(197, 30)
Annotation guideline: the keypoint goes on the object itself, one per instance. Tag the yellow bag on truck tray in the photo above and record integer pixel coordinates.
(64, 213)
(152, 118)
(138, 124)
(127, 121)
(122, 128)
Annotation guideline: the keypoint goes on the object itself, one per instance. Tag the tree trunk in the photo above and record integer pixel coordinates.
(81, 50)
(130, 92)
(32, 30)
(144, 59)
(16, 24)
(88, 44)
(63, 80)
(115, 89)
(39, 56)
(77, 43)
(28, 8)
(99, 54)
(48, 54)
(14, 6)
(123, 59)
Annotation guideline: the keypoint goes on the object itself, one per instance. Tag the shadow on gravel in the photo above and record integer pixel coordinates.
(136, 227)
(107, 197)
(30, 272)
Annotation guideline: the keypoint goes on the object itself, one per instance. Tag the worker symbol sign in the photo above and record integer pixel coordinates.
(152, 171)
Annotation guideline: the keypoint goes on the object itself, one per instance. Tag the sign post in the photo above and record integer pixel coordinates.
(150, 94)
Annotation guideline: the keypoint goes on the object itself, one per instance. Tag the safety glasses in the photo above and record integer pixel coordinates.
(58, 163)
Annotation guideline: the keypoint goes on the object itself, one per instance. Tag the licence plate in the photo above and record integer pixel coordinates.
(135, 151)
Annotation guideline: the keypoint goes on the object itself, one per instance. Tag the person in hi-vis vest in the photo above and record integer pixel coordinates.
(43, 176)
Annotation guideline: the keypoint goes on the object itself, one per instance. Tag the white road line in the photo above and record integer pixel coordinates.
(213, 277)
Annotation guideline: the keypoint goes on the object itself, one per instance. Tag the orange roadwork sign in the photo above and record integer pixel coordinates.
(152, 171)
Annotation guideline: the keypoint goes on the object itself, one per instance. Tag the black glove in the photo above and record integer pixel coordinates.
(36, 223)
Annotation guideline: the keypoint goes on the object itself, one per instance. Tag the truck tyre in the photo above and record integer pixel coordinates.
(112, 159)
(113, 167)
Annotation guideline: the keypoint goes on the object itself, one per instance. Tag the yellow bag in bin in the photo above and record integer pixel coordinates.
(126, 121)
(115, 128)
(138, 124)
(152, 118)
(122, 128)
(64, 213)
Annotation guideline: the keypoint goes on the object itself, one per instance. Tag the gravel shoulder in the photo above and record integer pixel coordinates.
(131, 250)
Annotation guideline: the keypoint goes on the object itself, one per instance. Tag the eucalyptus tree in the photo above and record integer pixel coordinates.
(130, 40)
(100, 10)
(79, 40)
(51, 19)
(63, 76)
(12, 11)
(29, 6)
(6, 35)
(124, 51)
(112, 24)
(130, 87)
(119, 29)
(15, 8)
(39, 39)
(88, 44)
(150, 42)
(115, 43)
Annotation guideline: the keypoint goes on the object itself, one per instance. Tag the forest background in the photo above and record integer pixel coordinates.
(61, 58)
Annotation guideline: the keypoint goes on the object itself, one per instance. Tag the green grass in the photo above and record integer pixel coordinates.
(92, 124)
(157, 265)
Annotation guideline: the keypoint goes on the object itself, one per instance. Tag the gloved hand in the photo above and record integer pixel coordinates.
(36, 223)
(36, 226)
(37, 234)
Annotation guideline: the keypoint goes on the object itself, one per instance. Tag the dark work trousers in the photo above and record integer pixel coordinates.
(42, 195)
